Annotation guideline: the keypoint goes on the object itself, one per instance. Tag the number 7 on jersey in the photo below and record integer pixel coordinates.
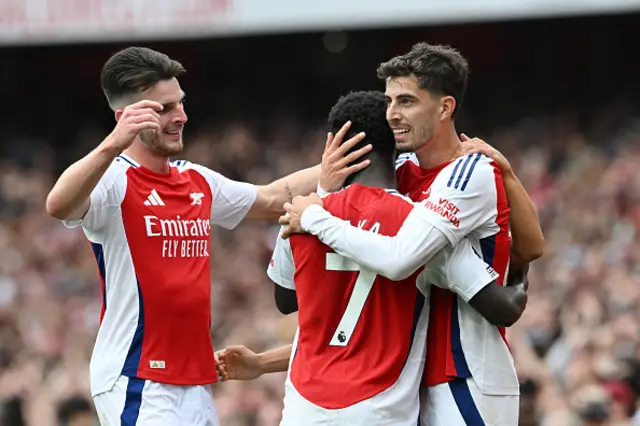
(359, 295)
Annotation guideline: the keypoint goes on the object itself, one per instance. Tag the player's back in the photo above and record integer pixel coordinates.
(361, 336)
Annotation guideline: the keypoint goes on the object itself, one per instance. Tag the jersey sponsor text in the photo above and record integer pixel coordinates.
(444, 208)
(178, 227)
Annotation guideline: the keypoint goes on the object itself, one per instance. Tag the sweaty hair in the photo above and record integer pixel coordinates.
(439, 69)
(134, 70)
(367, 112)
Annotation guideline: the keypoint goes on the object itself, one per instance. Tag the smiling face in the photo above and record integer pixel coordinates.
(424, 89)
(413, 113)
(138, 73)
(167, 141)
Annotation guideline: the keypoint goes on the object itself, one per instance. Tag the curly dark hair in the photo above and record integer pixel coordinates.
(367, 112)
(439, 69)
(135, 69)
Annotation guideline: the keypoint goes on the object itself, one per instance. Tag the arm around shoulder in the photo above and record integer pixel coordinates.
(501, 306)
(474, 281)
(527, 237)
(395, 258)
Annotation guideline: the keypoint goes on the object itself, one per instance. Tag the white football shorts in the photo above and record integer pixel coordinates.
(134, 402)
(460, 403)
(383, 409)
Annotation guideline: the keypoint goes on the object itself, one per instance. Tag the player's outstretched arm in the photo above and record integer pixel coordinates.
(463, 199)
(275, 360)
(69, 197)
(240, 363)
(528, 240)
(271, 198)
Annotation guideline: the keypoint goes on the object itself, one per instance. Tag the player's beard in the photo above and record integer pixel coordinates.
(153, 140)
(420, 137)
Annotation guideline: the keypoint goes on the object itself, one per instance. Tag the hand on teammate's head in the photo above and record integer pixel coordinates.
(336, 165)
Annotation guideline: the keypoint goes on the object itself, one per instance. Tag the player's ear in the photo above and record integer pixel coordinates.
(118, 113)
(447, 106)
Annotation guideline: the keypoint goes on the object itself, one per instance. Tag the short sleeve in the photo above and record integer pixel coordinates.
(466, 274)
(105, 201)
(232, 200)
(463, 197)
(281, 267)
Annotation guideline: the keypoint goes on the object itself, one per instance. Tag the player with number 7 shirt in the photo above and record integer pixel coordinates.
(359, 351)
(470, 376)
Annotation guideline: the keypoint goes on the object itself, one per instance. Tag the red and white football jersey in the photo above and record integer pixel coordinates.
(359, 351)
(150, 234)
(465, 199)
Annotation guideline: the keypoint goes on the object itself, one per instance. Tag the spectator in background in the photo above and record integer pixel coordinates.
(579, 333)
(76, 411)
(11, 413)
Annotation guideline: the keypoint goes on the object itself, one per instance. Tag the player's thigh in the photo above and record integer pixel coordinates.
(460, 403)
(197, 408)
(109, 405)
(133, 402)
(171, 405)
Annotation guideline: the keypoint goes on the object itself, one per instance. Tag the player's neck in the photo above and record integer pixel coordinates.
(442, 149)
(377, 175)
(147, 159)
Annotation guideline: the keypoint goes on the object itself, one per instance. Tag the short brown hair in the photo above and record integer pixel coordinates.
(440, 69)
(134, 70)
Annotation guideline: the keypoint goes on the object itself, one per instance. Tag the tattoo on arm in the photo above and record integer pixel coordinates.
(289, 194)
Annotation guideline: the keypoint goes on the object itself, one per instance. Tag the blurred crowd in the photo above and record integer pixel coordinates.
(577, 347)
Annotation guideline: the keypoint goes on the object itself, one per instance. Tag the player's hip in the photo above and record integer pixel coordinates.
(461, 403)
(105, 371)
(133, 401)
(381, 410)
